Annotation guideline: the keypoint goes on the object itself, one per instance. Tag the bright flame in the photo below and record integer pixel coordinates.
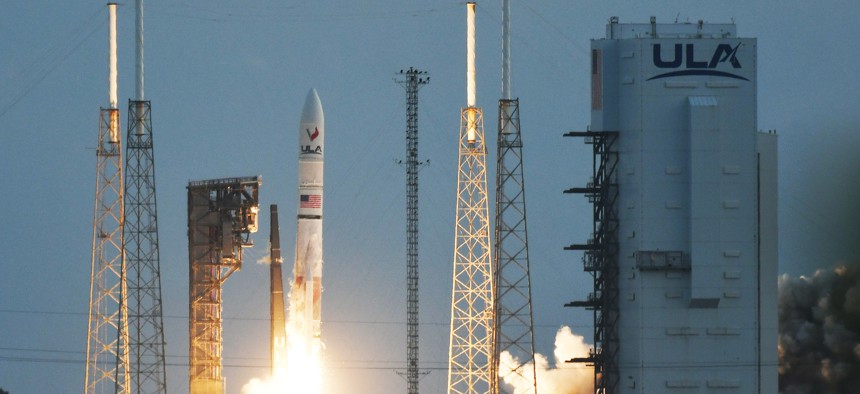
(301, 372)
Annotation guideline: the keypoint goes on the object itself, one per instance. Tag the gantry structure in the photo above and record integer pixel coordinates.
(600, 258)
(514, 330)
(107, 364)
(412, 80)
(222, 213)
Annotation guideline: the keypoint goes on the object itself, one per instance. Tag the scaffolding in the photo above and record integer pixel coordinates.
(600, 259)
(146, 336)
(412, 80)
(514, 332)
(222, 213)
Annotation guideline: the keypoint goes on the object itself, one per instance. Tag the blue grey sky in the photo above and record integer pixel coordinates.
(227, 80)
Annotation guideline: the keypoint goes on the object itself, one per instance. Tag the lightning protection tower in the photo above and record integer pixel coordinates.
(222, 213)
(412, 80)
(107, 336)
(471, 353)
(146, 325)
(514, 332)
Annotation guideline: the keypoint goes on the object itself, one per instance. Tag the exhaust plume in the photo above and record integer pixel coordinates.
(560, 378)
(819, 331)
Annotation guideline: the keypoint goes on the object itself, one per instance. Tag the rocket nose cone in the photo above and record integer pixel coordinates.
(312, 111)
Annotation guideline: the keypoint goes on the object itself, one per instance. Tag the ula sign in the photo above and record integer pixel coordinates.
(685, 56)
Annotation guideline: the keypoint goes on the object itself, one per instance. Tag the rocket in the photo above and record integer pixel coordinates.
(307, 287)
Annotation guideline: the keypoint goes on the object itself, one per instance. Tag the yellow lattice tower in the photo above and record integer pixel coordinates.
(107, 367)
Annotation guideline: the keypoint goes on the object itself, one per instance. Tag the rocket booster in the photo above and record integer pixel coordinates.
(308, 266)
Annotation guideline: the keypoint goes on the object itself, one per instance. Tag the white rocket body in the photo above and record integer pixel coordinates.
(307, 288)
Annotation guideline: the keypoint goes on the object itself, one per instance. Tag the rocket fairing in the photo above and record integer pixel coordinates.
(307, 288)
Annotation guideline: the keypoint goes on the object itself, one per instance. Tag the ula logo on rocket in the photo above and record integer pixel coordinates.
(315, 134)
(307, 149)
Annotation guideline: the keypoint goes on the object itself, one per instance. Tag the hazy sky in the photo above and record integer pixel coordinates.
(227, 80)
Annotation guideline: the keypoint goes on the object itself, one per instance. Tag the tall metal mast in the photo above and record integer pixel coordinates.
(471, 353)
(514, 331)
(148, 372)
(412, 80)
(107, 336)
(222, 213)
(278, 328)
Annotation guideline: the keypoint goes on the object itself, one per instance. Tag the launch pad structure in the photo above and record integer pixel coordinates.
(222, 213)
(600, 258)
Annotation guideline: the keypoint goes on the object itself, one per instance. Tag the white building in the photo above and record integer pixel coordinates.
(696, 211)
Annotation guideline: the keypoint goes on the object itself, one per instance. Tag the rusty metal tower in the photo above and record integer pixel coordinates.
(146, 326)
(471, 353)
(107, 336)
(514, 331)
(412, 80)
(222, 213)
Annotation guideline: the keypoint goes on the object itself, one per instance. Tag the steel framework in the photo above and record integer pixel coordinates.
(471, 351)
(222, 213)
(412, 80)
(514, 330)
(148, 373)
(600, 259)
(107, 336)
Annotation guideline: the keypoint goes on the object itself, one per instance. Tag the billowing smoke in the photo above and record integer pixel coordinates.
(560, 378)
(819, 332)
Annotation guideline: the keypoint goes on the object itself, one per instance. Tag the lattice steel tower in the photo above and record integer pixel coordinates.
(146, 327)
(107, 336)
(412, 80)
(222, 213)
(471, 353)
(514, 330)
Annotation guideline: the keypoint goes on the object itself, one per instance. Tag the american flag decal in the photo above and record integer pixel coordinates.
(310, 201)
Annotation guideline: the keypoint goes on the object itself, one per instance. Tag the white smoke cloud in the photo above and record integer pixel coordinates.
(560, 378)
